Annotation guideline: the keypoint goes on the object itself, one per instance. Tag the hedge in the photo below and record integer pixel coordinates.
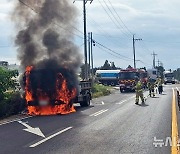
(12, 105)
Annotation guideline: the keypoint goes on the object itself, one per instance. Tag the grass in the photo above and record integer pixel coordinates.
(99, 90)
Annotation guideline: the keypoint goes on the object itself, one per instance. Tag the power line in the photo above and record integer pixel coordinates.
(160, 42)
(120, 18)
(107, 51)
(54, 22)
(108, 13)
(120, 55)
(116, 56)
(114, 18)
(106, 34)
(127, 58)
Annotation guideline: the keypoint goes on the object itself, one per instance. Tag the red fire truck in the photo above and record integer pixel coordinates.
(127, 78)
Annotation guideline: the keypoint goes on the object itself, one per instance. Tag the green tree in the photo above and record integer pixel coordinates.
(106, 66)
(129, 67)
(113, 67)
(160, 70)
(6, 81)
(177, 74)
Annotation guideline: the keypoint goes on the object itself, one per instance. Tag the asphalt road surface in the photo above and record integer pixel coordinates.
(112, 124)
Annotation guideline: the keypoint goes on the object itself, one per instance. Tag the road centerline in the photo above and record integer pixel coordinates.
(174, 148)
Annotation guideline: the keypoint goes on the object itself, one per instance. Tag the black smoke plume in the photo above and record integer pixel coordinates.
(45, 35)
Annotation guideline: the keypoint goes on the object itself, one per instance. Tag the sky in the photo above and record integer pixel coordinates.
(113, 22)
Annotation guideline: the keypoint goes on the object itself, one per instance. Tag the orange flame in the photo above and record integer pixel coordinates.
(63, 94)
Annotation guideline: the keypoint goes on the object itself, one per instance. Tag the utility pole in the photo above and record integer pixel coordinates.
(85, 40)
(85, 36)
(158, 63)
(134, 50)
(154, 59)
(89, 53)
(90, 50)
(92, 60)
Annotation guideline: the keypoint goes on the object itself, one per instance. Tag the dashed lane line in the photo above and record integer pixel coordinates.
(98, 113)
(101, 112)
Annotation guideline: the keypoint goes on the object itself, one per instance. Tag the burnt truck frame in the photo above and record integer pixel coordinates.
(83, 97)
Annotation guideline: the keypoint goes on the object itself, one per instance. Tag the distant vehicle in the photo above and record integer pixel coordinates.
(108, 77)
(169, 77)
(127, 79)
(152, 73)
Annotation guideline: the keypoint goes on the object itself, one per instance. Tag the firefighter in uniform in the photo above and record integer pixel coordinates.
(159, 83)
(151, 86)
(139, 91)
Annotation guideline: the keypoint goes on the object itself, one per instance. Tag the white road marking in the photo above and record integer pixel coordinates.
(15, 120)
(32, 130)
(101, 112)
(125, 100)
(96, 113)
(177, 88)
(50, 137)
(102, 103)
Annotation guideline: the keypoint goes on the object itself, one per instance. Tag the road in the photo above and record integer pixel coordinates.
(112, 124)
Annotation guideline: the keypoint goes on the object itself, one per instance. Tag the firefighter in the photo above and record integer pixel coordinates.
(139, 91)
(151, 86)
(159, 83)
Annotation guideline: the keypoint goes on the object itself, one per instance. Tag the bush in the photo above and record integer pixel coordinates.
(6, 81)
(14, 104)
(100, 90)
(10, 102)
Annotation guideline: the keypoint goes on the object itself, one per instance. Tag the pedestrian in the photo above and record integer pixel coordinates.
(151, 87)
(139, 91)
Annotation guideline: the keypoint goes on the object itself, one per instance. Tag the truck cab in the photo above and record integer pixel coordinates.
(152, 73)
(127, 79)
(169, 77)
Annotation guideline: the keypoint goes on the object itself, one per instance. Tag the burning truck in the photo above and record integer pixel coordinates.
(51, 60)
(48, 91)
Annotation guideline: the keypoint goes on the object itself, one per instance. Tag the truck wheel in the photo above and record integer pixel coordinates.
(112, 84)
(86, 102)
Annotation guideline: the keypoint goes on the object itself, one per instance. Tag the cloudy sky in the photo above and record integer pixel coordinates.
(113, 22)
